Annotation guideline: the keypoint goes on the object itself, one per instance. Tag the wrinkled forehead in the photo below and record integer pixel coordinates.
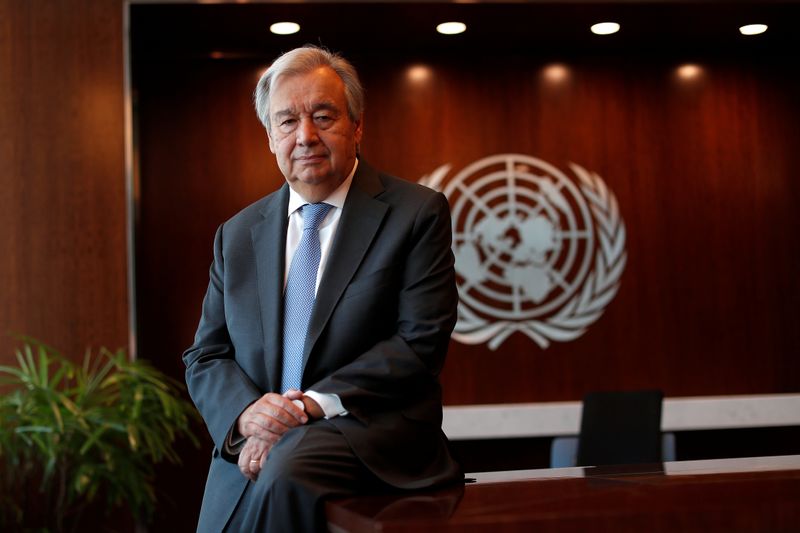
(319, 85)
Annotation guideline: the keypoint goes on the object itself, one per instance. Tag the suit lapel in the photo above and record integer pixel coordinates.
(269, 244)
(361, 218)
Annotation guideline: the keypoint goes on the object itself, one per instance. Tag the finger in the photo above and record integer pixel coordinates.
(272, 419)
(280, 407)
(259, 450)
(293, 394)
(250, 458)
(297, 398)
(267, 432)
(285, 402)
(254, 468)
(244, 464)
(261, 423)
(272, 413)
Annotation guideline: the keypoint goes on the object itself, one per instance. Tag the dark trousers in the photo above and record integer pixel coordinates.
(309, 464)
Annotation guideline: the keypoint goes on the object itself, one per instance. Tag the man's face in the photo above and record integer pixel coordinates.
(311, 134)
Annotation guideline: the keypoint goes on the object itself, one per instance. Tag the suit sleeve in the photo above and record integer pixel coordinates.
(401, 371)
(216, 383)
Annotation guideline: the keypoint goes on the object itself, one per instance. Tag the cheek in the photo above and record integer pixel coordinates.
(342, 140)
(283, 147)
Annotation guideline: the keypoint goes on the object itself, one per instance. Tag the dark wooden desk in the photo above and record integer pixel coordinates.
(751, 494)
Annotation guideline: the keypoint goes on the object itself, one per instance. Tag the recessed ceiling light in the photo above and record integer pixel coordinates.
(689, 71)
(451, 28)
(753, 29)
(418, 73)
(284, 28)
(556, 73)
(605, 28)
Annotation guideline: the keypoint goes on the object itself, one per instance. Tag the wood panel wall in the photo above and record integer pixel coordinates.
(62, 187)
(704, 172)
(63, 249)
(703, 169)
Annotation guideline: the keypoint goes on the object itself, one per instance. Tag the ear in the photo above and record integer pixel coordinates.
(359, 129)
(271, 142)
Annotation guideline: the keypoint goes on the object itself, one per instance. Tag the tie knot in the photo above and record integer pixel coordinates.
(313, 214)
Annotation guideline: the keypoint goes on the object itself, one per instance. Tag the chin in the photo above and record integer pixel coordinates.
(315, 178)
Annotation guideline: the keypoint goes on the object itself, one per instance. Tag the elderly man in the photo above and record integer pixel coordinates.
(326, 321)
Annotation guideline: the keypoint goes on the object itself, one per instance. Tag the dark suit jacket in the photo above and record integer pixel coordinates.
(378, 335)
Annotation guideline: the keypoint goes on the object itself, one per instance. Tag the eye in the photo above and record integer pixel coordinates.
(287, 124)
(323, 119)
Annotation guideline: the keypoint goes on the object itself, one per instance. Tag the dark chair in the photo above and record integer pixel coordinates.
(564, 450)
(617, 428)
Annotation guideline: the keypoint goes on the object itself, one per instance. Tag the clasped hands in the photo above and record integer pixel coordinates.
(265, 422)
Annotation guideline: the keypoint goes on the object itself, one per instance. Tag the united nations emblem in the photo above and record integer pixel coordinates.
(536, 251)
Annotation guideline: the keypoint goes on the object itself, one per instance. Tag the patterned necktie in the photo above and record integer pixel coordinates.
(298, 301)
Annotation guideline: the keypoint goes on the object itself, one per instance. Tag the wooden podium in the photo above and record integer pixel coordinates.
(749, 494)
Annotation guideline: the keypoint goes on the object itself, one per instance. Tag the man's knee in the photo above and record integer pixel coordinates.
(285, 465)
(281, 474)
(313, 458)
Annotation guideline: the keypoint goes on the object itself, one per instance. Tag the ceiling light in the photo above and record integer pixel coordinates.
(418, 73)
(689, 72)
(605, 28)
(284, 28)
(556, 73)
(753, 29)
(451, 28)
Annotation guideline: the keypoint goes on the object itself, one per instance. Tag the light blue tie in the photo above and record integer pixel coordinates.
(298, 300)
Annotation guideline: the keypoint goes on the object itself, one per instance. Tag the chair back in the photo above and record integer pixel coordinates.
(620, 428)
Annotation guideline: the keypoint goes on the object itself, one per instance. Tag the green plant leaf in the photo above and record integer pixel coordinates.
(133, 437)
(44, 367)
(89, 430)
(23, 361)
(16, 372)
(33, 429)
(56, 414)
(63, 371)
(93, 439)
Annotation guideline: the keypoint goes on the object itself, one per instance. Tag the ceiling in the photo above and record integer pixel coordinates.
(233, 30)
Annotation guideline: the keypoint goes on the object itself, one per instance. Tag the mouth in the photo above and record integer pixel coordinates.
(310, 159)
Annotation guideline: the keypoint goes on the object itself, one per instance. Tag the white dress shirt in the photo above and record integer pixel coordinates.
(330, 403)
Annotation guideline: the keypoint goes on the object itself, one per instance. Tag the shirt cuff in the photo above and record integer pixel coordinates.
(330, 404)
(234, 442)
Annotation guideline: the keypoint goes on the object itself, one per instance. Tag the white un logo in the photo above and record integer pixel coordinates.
(536, 252)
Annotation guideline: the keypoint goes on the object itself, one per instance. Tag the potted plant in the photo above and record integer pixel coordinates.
(79, 435)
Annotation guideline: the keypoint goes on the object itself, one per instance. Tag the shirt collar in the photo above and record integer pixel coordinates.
(336, 198)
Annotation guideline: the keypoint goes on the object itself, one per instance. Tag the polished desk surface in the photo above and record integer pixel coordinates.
(748, 494)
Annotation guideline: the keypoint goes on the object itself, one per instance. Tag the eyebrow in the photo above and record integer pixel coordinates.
(325, 106)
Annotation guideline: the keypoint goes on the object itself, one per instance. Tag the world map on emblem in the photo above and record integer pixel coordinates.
(536, 251)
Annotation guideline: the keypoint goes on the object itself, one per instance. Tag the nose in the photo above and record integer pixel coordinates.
(306, 133)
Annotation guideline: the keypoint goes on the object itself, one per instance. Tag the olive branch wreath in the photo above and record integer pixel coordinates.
(589, 302)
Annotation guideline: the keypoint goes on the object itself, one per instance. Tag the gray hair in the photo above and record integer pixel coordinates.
(301, 61)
